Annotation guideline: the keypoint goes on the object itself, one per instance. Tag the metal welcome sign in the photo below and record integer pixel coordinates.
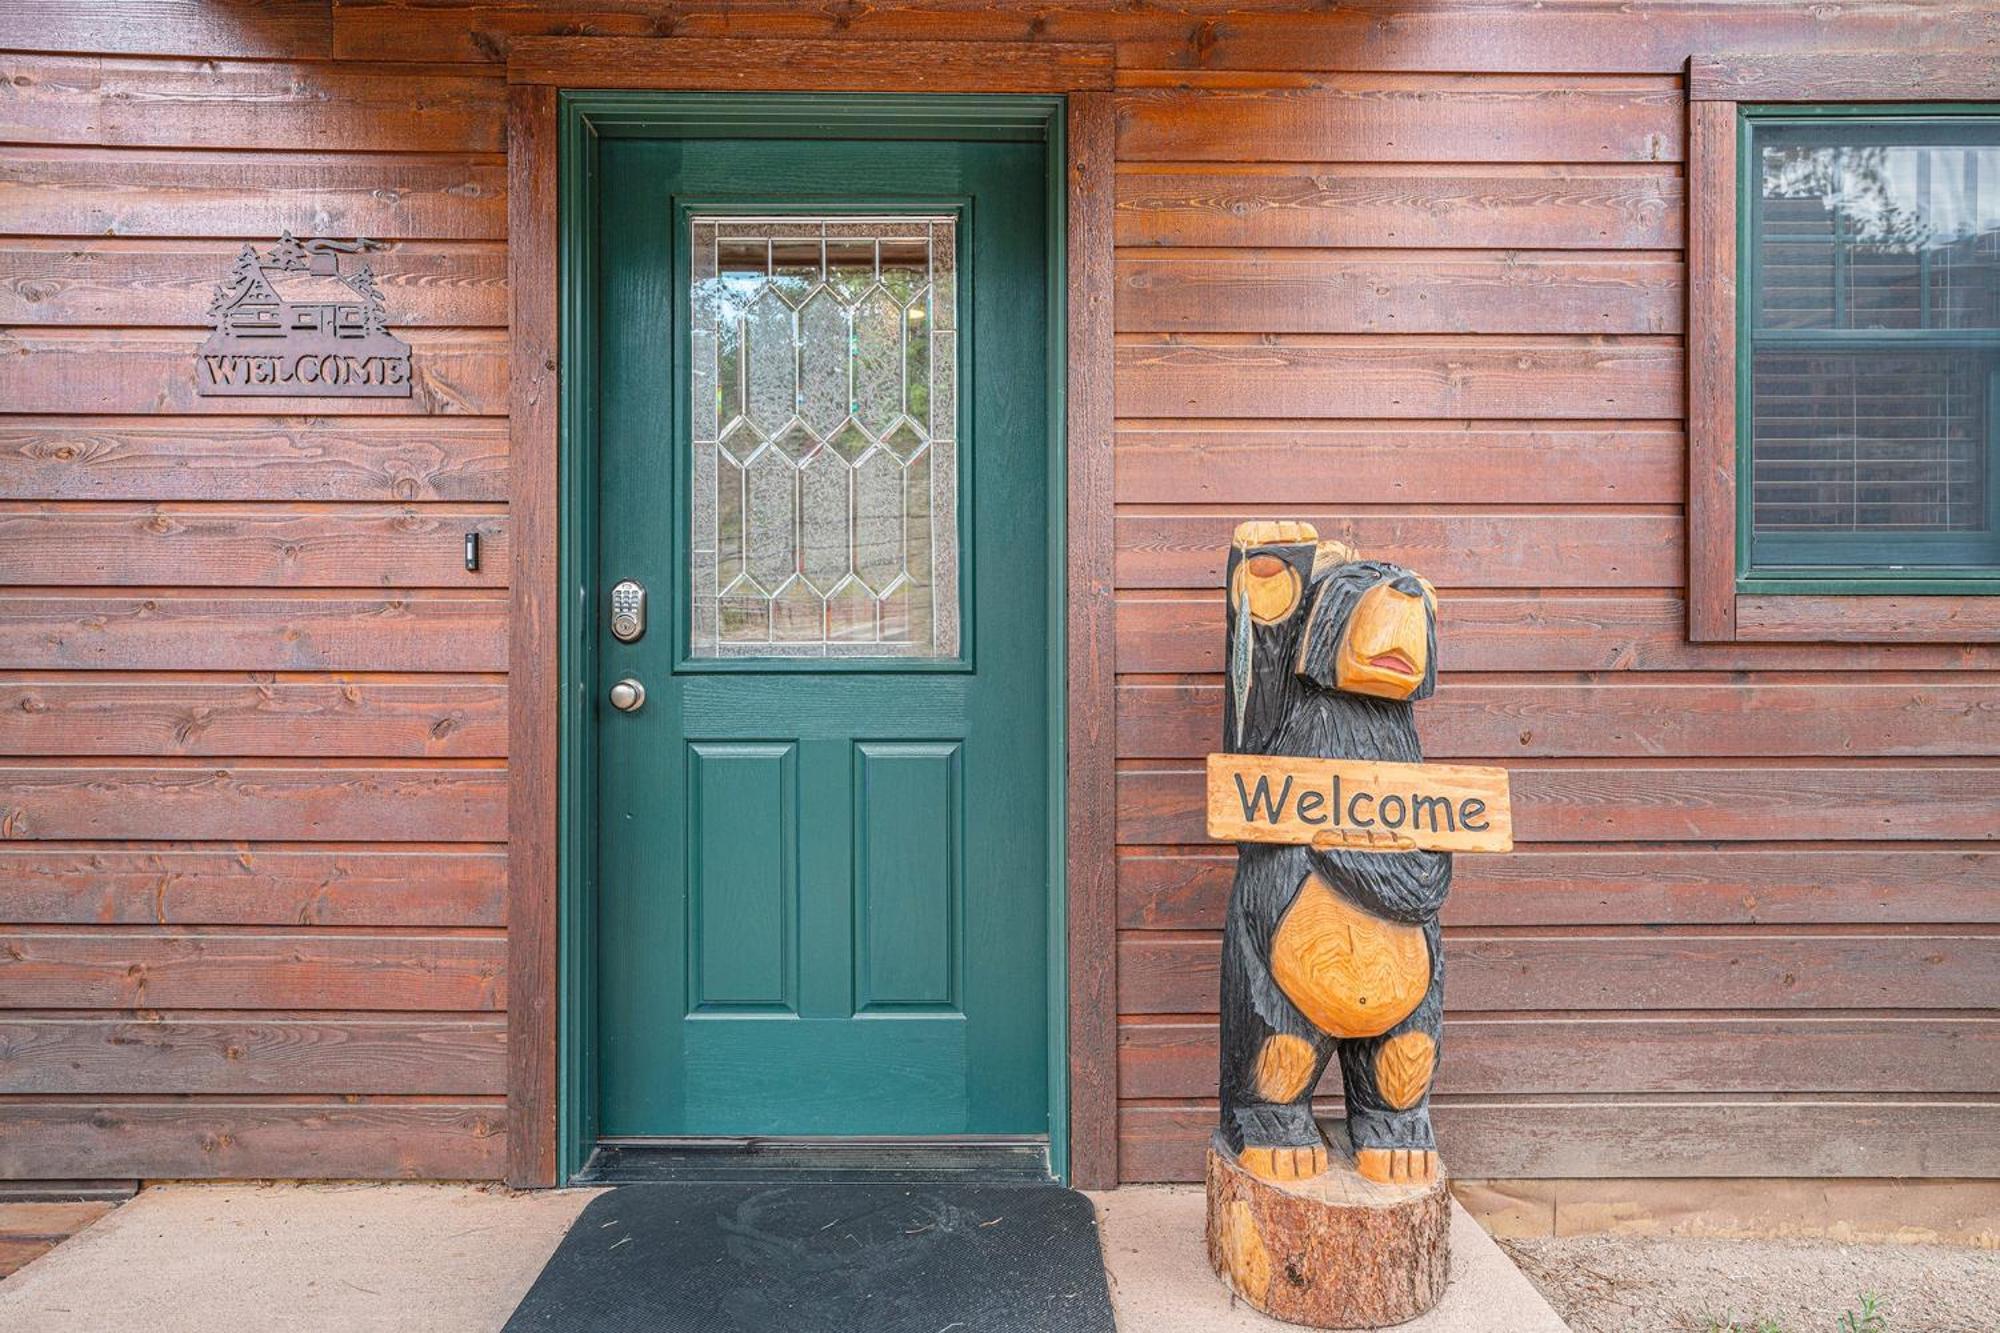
(291, 323)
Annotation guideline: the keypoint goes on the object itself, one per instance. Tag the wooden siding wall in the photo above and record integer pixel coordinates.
(1412, 269)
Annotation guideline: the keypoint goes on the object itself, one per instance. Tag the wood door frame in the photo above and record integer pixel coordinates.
(1083, 941)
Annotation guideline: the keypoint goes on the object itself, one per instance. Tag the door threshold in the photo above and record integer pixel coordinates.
(815, 1161)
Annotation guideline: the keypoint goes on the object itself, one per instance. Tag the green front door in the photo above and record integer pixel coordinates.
(822, 862)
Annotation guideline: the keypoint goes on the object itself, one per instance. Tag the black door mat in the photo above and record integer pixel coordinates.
(826, 1258)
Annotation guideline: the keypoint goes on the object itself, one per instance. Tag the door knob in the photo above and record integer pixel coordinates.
(628, 696)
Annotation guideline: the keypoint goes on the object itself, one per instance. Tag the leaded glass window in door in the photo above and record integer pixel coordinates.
(824, 384)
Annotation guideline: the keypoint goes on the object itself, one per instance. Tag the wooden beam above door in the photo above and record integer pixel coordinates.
(741, 64)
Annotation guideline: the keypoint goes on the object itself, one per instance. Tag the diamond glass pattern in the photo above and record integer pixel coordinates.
(825, 445)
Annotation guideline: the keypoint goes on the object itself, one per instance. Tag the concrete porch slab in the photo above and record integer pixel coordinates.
(357, 1258)
(1161, 1281)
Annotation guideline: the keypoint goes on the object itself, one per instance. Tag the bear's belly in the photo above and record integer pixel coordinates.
(1352, 974)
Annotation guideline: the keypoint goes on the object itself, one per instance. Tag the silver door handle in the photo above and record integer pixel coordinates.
(628, 696)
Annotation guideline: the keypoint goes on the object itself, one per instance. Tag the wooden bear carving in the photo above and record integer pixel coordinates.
(1329, 949)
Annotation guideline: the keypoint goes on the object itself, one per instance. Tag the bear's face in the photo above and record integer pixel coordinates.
(1347, 624)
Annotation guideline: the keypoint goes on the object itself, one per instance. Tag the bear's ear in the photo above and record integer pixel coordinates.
(1328, 554)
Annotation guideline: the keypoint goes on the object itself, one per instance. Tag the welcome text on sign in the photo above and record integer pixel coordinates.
(1359, 804)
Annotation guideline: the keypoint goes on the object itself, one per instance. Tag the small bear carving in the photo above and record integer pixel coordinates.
(1329, 949)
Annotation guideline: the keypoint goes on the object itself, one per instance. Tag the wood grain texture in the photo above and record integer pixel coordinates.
(1178, 974)
(1347, 204)
(250, 1140)
(1090, 723)
(1581, 36)
(748, 64)
(103, 371)
(118, 281)
(1321, 292)
(1680, 885)
(1441, 808)
(1569, 1053)
(1858, 1135)
(533, 637)
(1402, 118)
(250, 545)
(253, 886)
(1837, 802)
(131, 969)
(50, 191)
(1569, 36)
(279, 458)
(314, 801)
(1711, 576)
(99, 715)
(1868, 619)
(1397, 462)
(109, 1056)
(115, 101)
(1617, 714)
(263, 29)
(1581, 548)
(1643, 631)
(1889, 75)
(254, 632)
(1300, 377)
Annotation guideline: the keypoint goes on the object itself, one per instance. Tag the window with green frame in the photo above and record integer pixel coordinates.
(1868, 418)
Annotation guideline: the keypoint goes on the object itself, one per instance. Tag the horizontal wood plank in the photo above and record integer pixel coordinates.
(94, 715)
(1398, 378)
(206, 1140)
(250, 546)
(264, 29)
(116, 101)
(1540, 1138)
(252, 886)
(1835, 802)
(280, 458)
(1864, 619)
(1889, 74)
(169, 283)
(1310, 464)
(1347, 205)
(317, 802)
(165, 192)
(791, 65)
(1555, 1054)
(1641, 632)
(1314, 292)
(1187, 888)
(1404, 118)
(127, 969)
(1612, 717)
(1575, 549)
(179, 631)
(1178, 974)
(52, 370)
(344, 1055)
(1539, 36)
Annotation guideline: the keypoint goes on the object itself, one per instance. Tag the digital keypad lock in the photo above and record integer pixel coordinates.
(628, 611)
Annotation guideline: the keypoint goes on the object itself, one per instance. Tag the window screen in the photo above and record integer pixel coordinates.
(1874, 343)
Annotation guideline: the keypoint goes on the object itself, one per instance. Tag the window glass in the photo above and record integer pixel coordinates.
(1874, 342)
(825, 471)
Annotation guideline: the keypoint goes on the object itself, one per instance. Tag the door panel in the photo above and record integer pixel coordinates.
(822, 841)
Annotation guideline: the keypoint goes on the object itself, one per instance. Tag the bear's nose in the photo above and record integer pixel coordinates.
(1408, 586)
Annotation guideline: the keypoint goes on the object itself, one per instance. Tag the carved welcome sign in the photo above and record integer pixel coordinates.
(290, 323)
(1358, 805)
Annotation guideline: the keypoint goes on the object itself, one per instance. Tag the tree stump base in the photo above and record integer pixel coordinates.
(1336, 1251)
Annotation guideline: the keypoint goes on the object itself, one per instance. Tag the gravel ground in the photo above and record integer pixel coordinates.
(1605, 1284)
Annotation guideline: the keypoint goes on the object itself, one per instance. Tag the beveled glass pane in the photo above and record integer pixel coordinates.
(826, 361)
